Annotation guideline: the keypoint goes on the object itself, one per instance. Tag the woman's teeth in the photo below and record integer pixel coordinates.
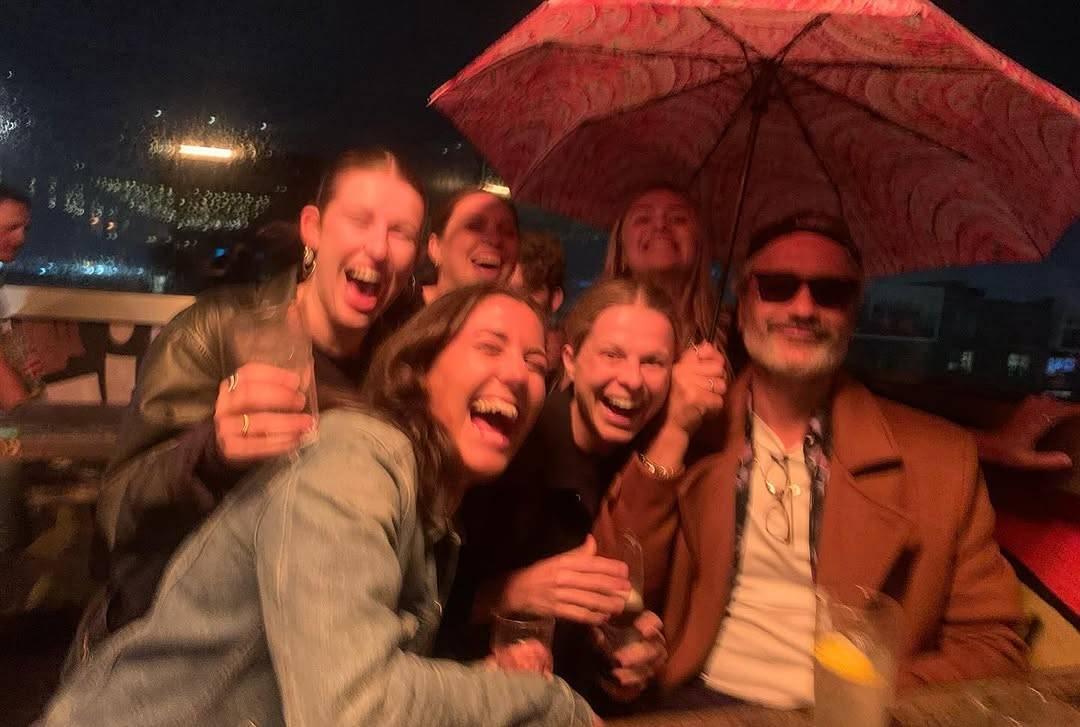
(494, 417)
(366, 275)
(485, 260)
(494, 406)
(621, 404)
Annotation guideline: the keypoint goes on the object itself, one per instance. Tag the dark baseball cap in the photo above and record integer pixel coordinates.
(819, 223)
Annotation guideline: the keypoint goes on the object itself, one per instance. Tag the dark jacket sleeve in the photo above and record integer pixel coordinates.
(167, 430)
(166, 453)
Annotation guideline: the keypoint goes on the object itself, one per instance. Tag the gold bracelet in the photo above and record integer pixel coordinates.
(659, 471)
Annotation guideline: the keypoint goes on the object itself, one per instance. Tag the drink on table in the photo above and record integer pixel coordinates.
(855, 658)
(848, 688)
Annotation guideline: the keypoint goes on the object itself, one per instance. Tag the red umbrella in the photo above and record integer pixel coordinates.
(935, 148)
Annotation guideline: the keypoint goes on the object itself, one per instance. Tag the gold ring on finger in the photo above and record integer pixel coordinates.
(246, 426)
(234, 380)
(711, 384)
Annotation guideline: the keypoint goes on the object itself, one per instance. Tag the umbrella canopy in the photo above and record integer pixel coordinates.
(935, 148)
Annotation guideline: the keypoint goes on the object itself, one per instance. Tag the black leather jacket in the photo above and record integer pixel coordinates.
(176, 391)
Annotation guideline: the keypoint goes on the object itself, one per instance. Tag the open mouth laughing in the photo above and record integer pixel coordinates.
(364, 286)
(621, 409)
(488, 263)
(495, 418)
(661, 244)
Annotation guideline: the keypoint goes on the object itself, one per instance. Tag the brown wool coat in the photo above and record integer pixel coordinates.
(906, 512)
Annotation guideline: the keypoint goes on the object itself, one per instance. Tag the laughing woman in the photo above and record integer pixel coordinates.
(526, 534)
(184, 440)
(660, 239)
(474, 239)
(312, 593)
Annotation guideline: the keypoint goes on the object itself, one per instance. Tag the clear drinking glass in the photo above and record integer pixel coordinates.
(855, 648)
(619, 629)
(511, 629)
(275, 335)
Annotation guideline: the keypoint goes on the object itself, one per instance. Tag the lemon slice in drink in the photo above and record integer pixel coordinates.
(835, 652)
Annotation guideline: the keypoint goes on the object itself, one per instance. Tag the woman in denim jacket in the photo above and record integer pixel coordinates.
(310, 596)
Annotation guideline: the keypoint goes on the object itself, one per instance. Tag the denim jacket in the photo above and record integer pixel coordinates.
(308, 598)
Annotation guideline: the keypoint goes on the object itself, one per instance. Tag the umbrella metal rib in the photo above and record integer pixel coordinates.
(876, 115)
(808, 137)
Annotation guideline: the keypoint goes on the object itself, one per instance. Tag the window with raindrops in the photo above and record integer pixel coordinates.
(159, 142)
(154, 140)
(135, 193)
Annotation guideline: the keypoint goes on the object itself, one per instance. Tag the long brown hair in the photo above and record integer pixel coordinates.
(697, 303)
(395, 389)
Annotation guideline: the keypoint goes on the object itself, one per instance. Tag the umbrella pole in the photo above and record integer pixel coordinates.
(761, 90)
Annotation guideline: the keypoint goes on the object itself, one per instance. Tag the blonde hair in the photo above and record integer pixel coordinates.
(696, 305)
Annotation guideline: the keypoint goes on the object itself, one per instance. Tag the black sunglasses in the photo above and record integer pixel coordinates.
(835, 293)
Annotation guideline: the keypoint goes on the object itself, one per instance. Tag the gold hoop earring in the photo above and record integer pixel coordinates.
(309, 262)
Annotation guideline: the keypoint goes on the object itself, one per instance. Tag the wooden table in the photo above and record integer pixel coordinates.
(49, 431)
(946, 704)
(57, 452)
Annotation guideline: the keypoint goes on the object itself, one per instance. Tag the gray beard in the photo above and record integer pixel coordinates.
(825, 364)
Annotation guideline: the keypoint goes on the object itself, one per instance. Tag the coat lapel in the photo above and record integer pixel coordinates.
(708, 504)
(865, 528)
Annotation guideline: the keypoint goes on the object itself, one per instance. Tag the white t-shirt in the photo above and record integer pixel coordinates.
(764, 650)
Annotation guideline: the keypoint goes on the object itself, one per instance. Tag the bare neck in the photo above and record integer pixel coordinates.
(332, 340)
(787, 405)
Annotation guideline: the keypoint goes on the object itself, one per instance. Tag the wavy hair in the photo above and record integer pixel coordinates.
(395, 389)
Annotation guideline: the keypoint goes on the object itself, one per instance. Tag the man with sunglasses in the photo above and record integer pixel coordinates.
(811, 481)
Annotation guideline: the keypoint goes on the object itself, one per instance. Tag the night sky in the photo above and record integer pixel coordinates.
(1043, 36)
(327, 74)
(336, 73)
(323, 76)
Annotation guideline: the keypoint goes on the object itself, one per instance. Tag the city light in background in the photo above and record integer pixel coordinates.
(209, 153)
